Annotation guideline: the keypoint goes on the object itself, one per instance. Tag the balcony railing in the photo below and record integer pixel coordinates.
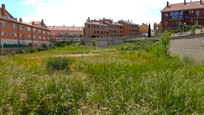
(176, 17)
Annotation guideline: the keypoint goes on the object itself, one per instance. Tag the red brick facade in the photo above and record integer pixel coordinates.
(16, 32)
(108, 28)
(65, 33)
(190, 13)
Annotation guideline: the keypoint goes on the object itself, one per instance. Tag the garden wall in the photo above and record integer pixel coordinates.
(108, 41)
(192, 46)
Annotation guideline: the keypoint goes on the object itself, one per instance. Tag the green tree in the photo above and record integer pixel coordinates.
(149, 31)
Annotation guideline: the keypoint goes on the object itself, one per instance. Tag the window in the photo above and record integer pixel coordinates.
(3, 33)
(197, 13)
(43, 38)
(91, 26)
(14, 26)
(186, 17)
(98, 27)
(129, 26)
(106, 28)
(14, 34)
(29, 36)
(39, 37)
(34, 30)
(166, 15)
(176, 15)
(3, 24)
(114, 27)
(133, 26)
(21, 35)
(48, 33)
(101, 27)
(21, 27)
(40, 31)
(166, 23)
(48, 38)
(43, 32)
(34, 37)
(110, 26)
(28, 28)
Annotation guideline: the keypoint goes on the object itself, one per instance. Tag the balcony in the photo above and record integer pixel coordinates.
(196, 17)
(176, 17)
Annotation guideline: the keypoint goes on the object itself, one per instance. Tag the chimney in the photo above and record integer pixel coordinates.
(88, 19)
(128, 20)
(53, 25)
(42, 23)
(131, 21)
(63, 25)
(167, 4)
(201, 2)
(33, 23)
(3, 10)
(20, 20)
(185, 2)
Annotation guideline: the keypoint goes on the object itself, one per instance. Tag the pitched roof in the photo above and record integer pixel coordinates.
(65, 28)
(130, 23)
(113, 23)
(182, 6)
(96, 23)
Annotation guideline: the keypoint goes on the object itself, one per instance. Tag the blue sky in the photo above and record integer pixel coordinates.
(75, 12)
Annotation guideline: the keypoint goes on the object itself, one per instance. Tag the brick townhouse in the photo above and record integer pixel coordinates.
(65, 33)
(190, 13)
(15, 31)
(108, 28)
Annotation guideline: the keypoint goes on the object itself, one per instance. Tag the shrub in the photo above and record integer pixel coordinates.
(57, 63)
(32, 50)
(21, 52)
(64, 43)
(52, 46)
(11, 53)
(165, 40)
(94, 43)
(45, 46)
(39, 49)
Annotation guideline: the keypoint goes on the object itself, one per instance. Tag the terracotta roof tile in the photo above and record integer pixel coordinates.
(96, 23)
(113, 23)
(182, 6)
(130, 23)
(65, 28)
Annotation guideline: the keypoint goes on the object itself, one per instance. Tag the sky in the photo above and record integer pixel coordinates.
(76, 12)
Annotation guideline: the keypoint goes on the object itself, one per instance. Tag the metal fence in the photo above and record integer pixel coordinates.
(14, 45)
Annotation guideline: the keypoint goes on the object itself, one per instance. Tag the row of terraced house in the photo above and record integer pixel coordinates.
(108, 28)
(15, 31)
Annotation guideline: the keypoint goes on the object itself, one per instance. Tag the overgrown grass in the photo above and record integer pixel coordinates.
(137, 80)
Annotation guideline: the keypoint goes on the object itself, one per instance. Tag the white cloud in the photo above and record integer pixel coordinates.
(75, 12)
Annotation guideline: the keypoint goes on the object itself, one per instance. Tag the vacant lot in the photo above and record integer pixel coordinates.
(126, 79)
